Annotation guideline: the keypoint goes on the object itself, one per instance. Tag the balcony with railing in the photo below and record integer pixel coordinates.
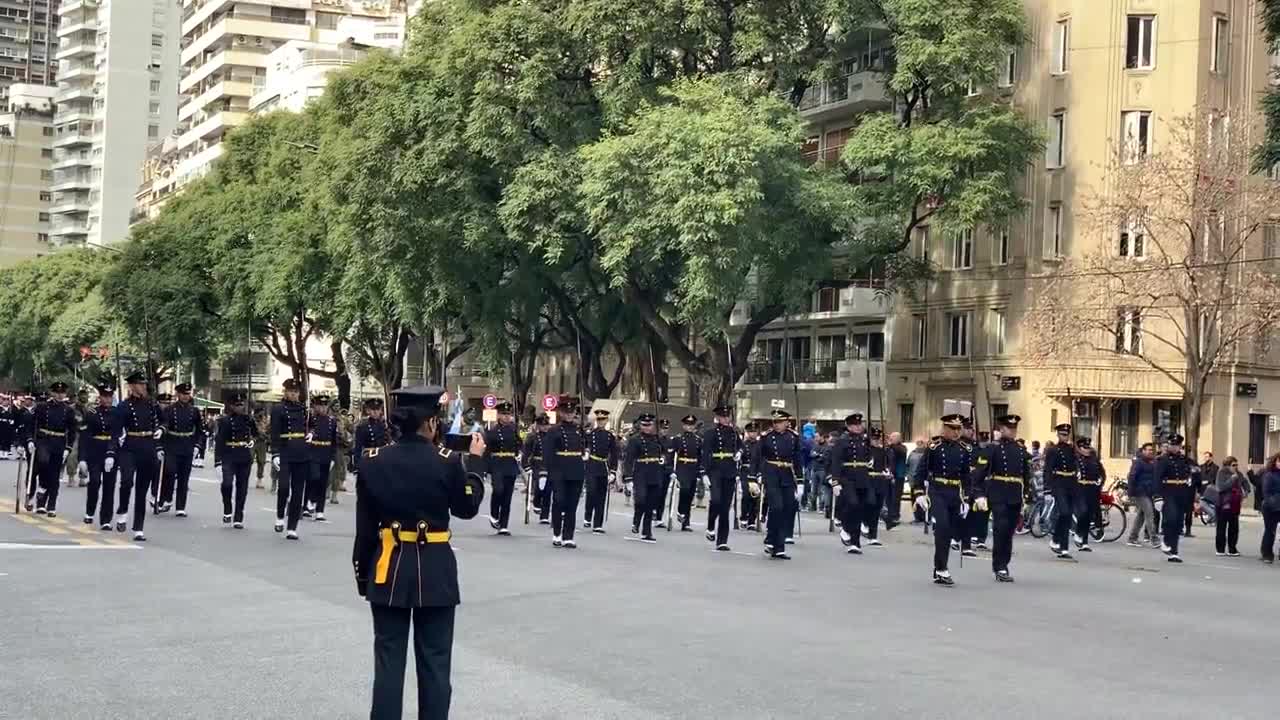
(845, 95)
(842, 374)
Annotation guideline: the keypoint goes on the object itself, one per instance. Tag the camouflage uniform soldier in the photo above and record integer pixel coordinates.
(73, 459)
(338, 472)
(263, 422)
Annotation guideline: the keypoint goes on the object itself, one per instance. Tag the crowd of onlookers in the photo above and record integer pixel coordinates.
(1222, 491)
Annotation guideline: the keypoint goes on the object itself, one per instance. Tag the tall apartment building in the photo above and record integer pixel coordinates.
(28, 41)
(116, 96)
(225, 49)
(1088, 69)
(26, 173)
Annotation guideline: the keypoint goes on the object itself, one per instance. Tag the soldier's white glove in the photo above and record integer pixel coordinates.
(981, 504)
(160, 456)
(31, 449)
(586, 455)
(706, 479)
(964, 509)
(109, 464)
(673, 477)
(309, 437)
(22, 452)
(737, 456)
(82, 469)
(65, 454)
(275, 462)
(836, 488)
(613, 477)
(799, 493)
(542, 481)
(922, 502)
(159, 433)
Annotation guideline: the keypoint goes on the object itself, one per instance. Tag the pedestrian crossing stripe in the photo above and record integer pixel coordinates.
(60, 527)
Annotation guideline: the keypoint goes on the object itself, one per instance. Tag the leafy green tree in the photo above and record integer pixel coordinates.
(1267, 154)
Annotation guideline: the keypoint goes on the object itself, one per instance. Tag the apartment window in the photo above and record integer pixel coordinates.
(1056, 149)
(997, 332)
(47, 131)
(1270, 241)
(868, 346)
(1129, 331)
(46, 197)
(962, 249)
(826, 300)
(1000, 252)
(922, 242)
(1009, 73)
(154, 107)
(1133, 242)
(1136, 129)
(1053, 233)
(906, 412)
(1124, 428)
(327, 20)
(919, 336)
(1140, 46)
(157, 40)
(1061, 45)
(832, 347)
(1221, 44)
(46, 174)
(958, 334)
(46, 152)
(1258, 438)
(153, 131)
(43, 217)
(42, 237)
(155, 86)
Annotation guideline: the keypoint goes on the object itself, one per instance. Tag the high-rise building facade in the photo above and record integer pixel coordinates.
(117, 95)
(225, 50)
(26, 173)
(28, 41)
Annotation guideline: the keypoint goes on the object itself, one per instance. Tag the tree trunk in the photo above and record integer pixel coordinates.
(521, 369)
(342, 380)
(1195, 408)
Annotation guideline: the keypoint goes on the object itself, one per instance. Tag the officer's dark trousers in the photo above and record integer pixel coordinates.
(597, 491)
(101, 484)
(646, 497)
(1064, 496)
(660, 508)
(688, 486)
(547, 500)
(504, 483)
(432, 652)
(721, 506)
(976, 525)
(748, 506)
(49, 474)
(564, 518)
(871, 510)
(1085, 508)
(177, 471)
(318, 483)
(137, 469)
(851, 509)
(893, 503)
(1171, 518)
(1004, 519)
(235, 483)
(291, 489)
(944, 506)
(782, 510)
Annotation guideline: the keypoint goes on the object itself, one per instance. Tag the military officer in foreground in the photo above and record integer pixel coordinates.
(183, 433)
(371, 433)
(748, 481)
(721, 449)
(1173, 478)
(564, 447)
(942, 478)
(136, 422)
(1061, 470)
(778, 463)
(403, 563)
(644, 465)
(1001, 478)
(686, 451)
(1088, 491)
(234, 441)
(322, 444)
(95, 447)
(503, 442)
(602, 458)
(291, 456)
(55, 426)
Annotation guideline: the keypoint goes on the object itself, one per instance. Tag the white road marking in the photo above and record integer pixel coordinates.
(29, 546)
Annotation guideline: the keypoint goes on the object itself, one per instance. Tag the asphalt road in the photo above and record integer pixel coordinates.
(208, 622)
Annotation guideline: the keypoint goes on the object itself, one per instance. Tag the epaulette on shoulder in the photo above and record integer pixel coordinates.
(446, 453)
(935, 444)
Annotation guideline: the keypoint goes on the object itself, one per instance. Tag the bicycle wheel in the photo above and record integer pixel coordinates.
(1114, 520)
(1039, 521)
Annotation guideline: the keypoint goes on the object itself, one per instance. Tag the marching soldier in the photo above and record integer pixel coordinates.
(403, 563)
(534, 462)
(322, 444)
(881, 478)
(1088, 491)
(263, 424)
(95, 446)
(1173, 477)
(371, 433)
(659, 512)
(850, 463)
(644, 465)
(602, 458)
(55, 432)
(748, 481)
(76, 475)
(779, 463)
(1001, 478)
(1061, 472)
(137, 423)
(564, 449)
(26, 437)
(721, 451)
(941, 478)
(6, 426)
(503, 443)
(156, 481)
(686, 449)
(290, 456)
(234, 441)
(342, 459)
(183, 433)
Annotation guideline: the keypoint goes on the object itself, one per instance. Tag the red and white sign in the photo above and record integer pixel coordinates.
(490, 401)
(550, 402)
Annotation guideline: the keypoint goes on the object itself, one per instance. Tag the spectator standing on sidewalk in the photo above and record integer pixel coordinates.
(1142, 490)
(1270, 508)
(1232, 487)
(898, 466)
(914, 458)
(1207, 475)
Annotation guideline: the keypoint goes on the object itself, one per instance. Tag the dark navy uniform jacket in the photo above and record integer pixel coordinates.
(323, 433)
(945, 466)
(531, 457)
(96, 435)
(234, 435)
(1060, 466)
(289, 432)
(503, 443)
(1173, 475)
(602, 452)
(183, 429)
(645, 460)
(562, 451)
(720, 448)
(850, 461)
(686, 453)
(55, 426)
(135, 422)
(1092, 473)
(405, 496)
(779, 457)
(1002, 473)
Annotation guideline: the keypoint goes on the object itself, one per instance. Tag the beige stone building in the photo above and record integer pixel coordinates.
(1092, 71)
(26, 173)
